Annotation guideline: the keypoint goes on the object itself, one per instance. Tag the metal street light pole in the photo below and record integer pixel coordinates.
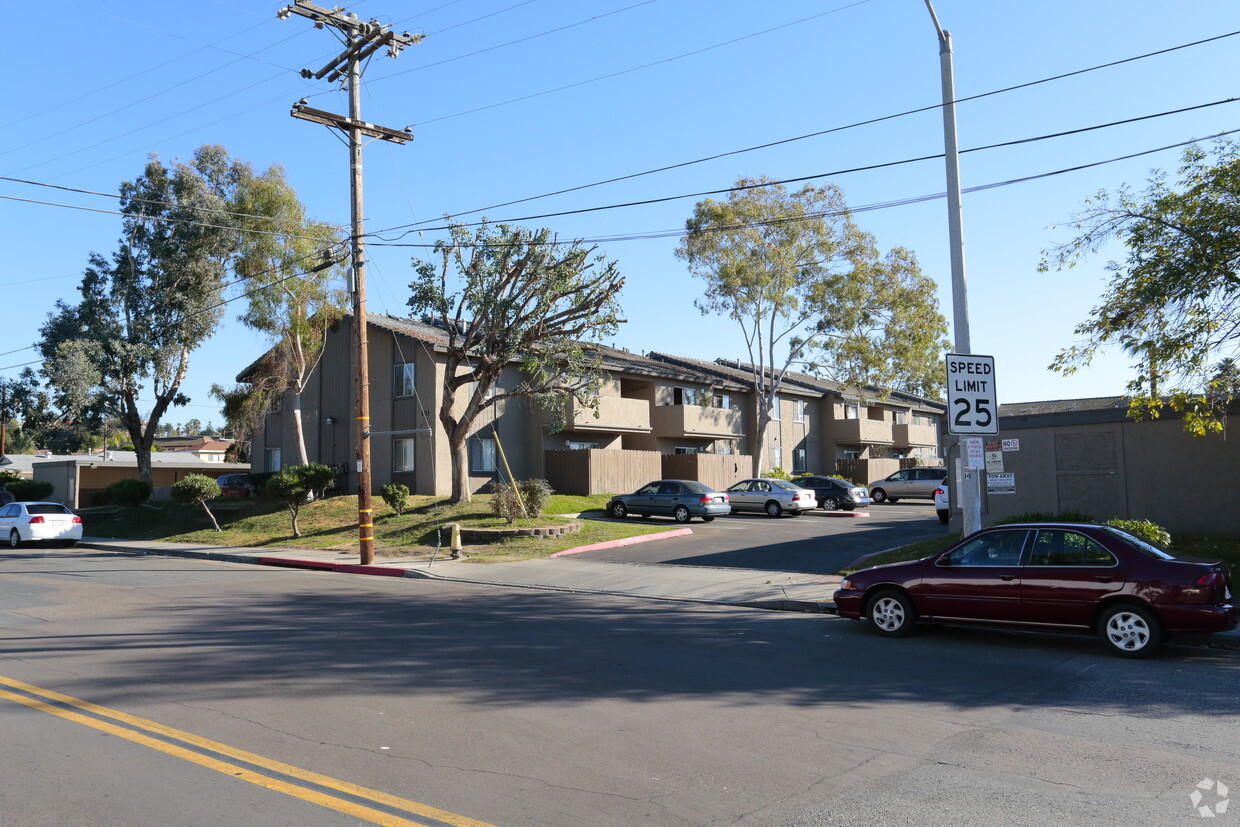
(970, 494)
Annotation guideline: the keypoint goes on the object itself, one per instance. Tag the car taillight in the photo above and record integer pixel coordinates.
(1211, 579)
(77, 520)
(705, 498)
(38, 519)
(938, 492)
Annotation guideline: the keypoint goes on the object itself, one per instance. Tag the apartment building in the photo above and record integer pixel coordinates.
(658, 416)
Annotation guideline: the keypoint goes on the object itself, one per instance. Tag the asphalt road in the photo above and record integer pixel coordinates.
(180, 685)
(817, 542)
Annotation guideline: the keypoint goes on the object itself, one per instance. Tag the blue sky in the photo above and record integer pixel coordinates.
(511, 99)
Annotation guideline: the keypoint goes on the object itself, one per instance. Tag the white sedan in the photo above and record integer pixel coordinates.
(39, 523)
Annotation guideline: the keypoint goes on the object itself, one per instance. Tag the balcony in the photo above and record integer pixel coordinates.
(915, 435)
(615, 414)
(696, 421)
(863, 432)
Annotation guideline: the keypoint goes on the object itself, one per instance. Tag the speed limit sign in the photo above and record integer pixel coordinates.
(972, 407)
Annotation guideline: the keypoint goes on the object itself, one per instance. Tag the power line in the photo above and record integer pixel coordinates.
(644, 65)
(830, 130)
(848, 210)
(833, 173)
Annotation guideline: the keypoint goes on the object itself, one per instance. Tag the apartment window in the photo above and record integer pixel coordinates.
(851, 411)
(271, 458)
(849, 454)
(723, 400)
(798, 410)
(777, 458)
(799, 465)
(682, 449)
(581, 446)
(775, 410)
(901, 417)
(686, 396)
(402, 379)
(725, 448)
(402, 455)
(922, 419)
(482, 455)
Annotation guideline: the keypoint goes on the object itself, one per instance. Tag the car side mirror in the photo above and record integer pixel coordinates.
(945, 561)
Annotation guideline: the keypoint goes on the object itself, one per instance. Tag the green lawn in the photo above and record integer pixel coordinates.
(331, 524)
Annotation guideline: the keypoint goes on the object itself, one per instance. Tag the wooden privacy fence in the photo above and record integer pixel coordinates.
(716, 470)
(600, 470)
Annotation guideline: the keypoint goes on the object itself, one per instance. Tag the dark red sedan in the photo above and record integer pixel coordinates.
(1049, 575)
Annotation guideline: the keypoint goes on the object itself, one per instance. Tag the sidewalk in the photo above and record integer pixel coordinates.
(782, 591)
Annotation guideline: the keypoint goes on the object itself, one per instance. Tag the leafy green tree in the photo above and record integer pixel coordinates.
(144, 310)
(806, 285)
(294, 283)
(197, 489)
(1174, 302)
(514, 296)
(296, 485)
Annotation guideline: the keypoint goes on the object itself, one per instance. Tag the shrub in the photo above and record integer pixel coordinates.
(7, 477)
(29, 491)
(1046, 517)
(536, 493)
(396, 496)
(1150, 532)
(297, 485)
(197, 489)
(130, 492)
(777, 473)
(504, 502)
(319, 478)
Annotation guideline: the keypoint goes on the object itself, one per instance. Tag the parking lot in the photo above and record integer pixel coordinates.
(817, 542)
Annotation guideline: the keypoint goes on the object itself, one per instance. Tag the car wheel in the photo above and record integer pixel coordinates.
(774, 509)
(1130, 631)
(618, 510)
(15, 539)
(892, 614)
(892, 500)
(942, 517)
(708, 519)
(828, 504)
(878, 495)
(681, 514)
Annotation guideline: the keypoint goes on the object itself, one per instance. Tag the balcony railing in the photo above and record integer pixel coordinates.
(909, 434)
(863, 431)
(696, 421)
(615, 414)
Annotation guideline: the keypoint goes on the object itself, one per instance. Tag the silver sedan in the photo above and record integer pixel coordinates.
(772, 496)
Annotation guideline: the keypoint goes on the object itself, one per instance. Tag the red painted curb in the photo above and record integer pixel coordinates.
(295, 564)
(847, 513)
(624, 541)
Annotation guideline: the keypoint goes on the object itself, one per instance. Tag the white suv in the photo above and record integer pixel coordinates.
(908, 483)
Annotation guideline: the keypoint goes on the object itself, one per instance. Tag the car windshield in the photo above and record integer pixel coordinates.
(1142, 545)
(782, 484)
(46, 508)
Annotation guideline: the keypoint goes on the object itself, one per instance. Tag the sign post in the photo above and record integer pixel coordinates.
(972, 408)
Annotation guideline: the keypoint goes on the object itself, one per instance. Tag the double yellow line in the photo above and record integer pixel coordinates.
(350, 799)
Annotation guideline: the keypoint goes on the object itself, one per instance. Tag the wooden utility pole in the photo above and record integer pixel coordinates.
(361, 41)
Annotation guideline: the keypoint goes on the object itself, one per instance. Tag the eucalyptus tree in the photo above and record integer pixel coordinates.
(508, 295)
(143, 309)
(1173, 303)
(807, 286)
(293, 279)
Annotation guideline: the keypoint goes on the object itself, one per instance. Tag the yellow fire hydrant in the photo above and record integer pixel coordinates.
(455, 541)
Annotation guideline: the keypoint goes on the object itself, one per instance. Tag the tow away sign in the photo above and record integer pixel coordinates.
(972, 407)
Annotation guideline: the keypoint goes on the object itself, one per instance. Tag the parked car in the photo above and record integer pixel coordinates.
(942, 503)
(907, 483)
(6, 496)
(1131, 593)
(833, 492)
(236, 485)
(682, 500)
(772, 496)
(39, 523)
